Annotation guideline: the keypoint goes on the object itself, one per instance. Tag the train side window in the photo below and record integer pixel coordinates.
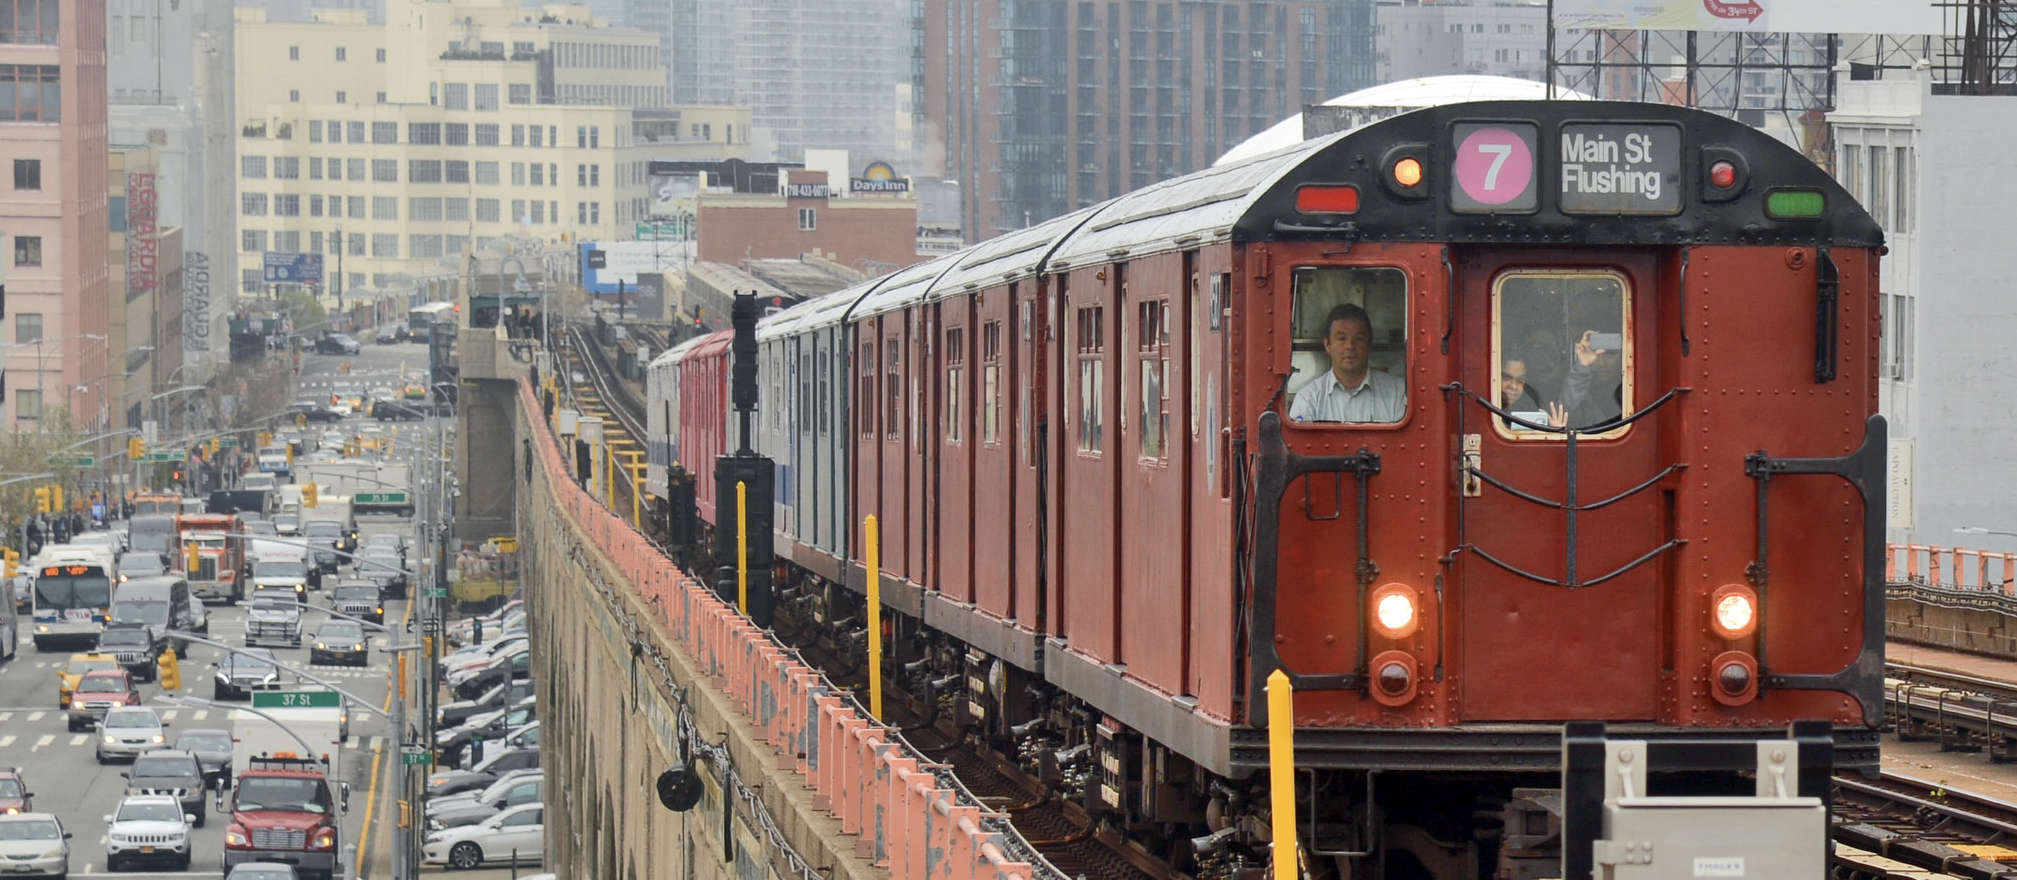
(955, 367)
(1561, 348)
(1349, 352)
(866, 405)
(990, 416)
(1091, 376)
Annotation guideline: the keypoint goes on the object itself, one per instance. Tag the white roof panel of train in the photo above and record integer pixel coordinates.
(1187, 211)
(805, 315)
(906, 286)
(1010, 255)
(673, 354)
(1398, 97)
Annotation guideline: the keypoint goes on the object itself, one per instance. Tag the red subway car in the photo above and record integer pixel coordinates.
(1478, 422)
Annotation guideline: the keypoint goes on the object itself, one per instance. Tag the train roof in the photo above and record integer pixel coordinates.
(815, 312)
(1254, 199)
(673, 354)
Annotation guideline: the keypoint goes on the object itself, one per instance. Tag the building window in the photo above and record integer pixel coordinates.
(486, 211)
(354, 169)
(455, 96)
(315, 131)
(294, 96)
(385, 246)
(356, 249)
(423, 170)
(595, 137)
(423, 246)
(486, 96)
(518, 135)
(423, 208)
(518, 174)
(520, 93)
(423, 133)
(28, 250)
(538, 174)
(539, 211)
(252, 204)
(335, 131)
(287, 242)
(354, 206)
(28, 327)
(455, 210)
(252, 167)
(533, 141)
(581, 213)
(384, 207)
(315, 168)
(381, 97)
(518, 211)
(287, 168)
(342, 97)
(252, 241)
(355, 131)
(385, 170)
(595, 212)
(30, 21)
(30, 92)
(294, 53)
(315, 206)
(1901, 197)
(27, 172)
(342, 54)
(581, 175)
(486, 173)
(286, 205)
(808, 219)
(381, 56)
(385, 132)
(456, 134)
(595, 175)
(27, 404)
(581, 137)
(486, 134)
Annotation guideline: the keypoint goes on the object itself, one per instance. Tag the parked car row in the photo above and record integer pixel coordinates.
(487, 803)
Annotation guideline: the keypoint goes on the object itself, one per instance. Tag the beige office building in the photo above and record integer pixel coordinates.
(397, 150)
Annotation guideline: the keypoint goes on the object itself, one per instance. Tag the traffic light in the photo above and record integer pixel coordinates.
(310, 494)
(56, 497)
(195, 560)
(213, 446)
(136, 448)
(290, 453)
(169, 671)
(42, 500)
(265, 438)
(13, 557)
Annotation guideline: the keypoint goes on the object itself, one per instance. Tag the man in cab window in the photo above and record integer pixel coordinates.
(1351, 390)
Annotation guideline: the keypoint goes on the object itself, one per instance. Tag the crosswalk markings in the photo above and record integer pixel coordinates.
(6, 741)
(36, 715)
(200, 715)
(45, 739)
(80, 739)
(168, 714)
(6, 717)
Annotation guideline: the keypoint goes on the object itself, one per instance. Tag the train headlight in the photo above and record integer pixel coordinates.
(1393, 610)
(1395, 678)
(1733, 611)
(1408, 172)
(1733, 678)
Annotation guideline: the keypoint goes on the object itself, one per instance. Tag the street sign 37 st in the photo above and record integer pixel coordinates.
(296, 699)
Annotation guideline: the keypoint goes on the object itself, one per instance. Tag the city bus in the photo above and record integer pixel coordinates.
(420, 318)
(71, 602)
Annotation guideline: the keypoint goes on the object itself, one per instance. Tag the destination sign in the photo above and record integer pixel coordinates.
(1612, 168)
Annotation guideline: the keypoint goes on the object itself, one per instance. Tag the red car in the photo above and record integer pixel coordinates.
(99, 691)
(14, 794)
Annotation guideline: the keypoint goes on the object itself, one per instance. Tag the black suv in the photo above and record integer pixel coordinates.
(137, 646)
(337, 343)
(394, 411)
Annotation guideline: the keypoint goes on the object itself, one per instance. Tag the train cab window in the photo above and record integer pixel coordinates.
(1349, 352)
(1561, 347)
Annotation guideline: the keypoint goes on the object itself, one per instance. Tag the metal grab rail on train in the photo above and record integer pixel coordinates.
(1571, 504)
(1011, 842)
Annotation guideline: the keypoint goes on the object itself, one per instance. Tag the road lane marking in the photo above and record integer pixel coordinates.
(36, 715)
(45, 739)
(6, 741)
(168, 714)
(376, 741)
(200, 715)
(6, 717)
(370, 810)
(80, 739)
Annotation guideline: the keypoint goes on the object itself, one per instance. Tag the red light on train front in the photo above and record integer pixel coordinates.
(1394, 678)
(1723, 174)
(1327, 199)
(1394, 613)
(1733, 611)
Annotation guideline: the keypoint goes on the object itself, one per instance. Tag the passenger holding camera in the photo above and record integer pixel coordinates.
(1593, 398)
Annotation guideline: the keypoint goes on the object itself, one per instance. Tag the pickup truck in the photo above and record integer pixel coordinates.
(274, 618)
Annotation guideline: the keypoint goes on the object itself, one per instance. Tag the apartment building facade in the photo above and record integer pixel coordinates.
(53, 226)
(1042, 108)
(396, 150)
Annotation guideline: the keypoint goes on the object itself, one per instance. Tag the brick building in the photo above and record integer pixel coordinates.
(870, 231)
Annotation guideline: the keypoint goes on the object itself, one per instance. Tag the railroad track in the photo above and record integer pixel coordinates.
(1960, 712)
(1901, 826)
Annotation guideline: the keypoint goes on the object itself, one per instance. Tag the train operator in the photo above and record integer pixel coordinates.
(1351, 390)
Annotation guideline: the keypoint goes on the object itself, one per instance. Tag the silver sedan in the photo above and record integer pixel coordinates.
(130, 731)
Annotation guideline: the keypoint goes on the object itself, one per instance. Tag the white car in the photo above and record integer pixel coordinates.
(130, 731)
(34, 843)
(148, 828)
(518, 833)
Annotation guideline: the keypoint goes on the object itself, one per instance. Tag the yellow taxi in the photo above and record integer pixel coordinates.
(66, 680)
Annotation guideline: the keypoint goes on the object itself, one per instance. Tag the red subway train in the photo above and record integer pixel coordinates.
(1479, 422)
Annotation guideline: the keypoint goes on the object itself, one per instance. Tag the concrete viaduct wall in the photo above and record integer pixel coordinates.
(609, 670)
